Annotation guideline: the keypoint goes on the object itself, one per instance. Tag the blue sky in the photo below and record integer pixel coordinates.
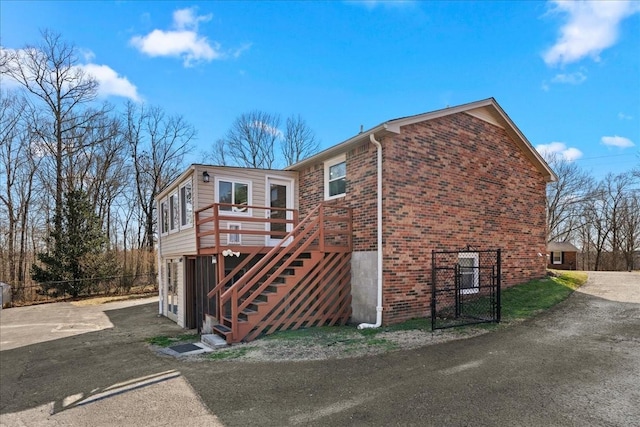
(567, 73)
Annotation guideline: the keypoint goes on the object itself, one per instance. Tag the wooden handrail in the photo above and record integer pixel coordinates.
(216, 216)
(232, 205)
(258, 266)
(235, 271)
(252, 281)
(230, 303)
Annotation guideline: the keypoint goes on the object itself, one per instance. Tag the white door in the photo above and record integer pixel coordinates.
(279, 195)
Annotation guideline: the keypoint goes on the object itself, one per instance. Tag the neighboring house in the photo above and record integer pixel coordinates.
(562, 256)
(453, 178)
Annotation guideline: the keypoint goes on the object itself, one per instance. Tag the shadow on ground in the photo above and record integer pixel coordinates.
(75, 368)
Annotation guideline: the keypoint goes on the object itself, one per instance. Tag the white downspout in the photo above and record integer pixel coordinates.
(379, 303)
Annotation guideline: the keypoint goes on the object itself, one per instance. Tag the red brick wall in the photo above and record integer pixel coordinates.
(569, 261)
(360, 194)
(447, 183)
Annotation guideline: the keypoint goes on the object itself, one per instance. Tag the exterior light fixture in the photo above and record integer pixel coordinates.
(205, 176)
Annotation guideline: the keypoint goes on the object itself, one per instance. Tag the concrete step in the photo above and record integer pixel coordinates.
(213, 341)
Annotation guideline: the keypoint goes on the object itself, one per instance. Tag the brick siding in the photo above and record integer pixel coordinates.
(447, 183)
(569, 261)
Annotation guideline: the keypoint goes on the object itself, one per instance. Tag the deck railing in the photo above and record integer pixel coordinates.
(277, 222)
(326, 230)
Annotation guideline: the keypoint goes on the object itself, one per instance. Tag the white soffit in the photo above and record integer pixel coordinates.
(489, 115)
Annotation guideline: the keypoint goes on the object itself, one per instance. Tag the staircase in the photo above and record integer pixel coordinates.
(301, 284)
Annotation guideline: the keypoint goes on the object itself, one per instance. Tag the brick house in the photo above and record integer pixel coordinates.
(453, 178)
(562, 256)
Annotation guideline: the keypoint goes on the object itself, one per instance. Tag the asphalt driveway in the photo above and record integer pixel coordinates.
(577, 364)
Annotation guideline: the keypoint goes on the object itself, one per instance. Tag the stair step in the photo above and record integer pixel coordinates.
(244, 314)
(221, 330)
(213, 341)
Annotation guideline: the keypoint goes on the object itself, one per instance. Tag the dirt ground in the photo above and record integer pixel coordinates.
(576, 364)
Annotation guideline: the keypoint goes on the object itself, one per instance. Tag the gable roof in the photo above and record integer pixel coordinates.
(486, 109)
(561, 247)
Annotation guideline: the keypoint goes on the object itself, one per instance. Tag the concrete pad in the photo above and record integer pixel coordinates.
(163, 400)
(21, 326)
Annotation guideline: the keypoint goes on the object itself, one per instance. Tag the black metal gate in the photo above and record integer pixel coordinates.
(465, 287)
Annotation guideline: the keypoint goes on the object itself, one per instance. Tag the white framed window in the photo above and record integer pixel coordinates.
(469, 272)
(233, 238)
(186, 206)
(174, 212)
(164, 217)
(557, 257)
(335, 177)
(236, 192)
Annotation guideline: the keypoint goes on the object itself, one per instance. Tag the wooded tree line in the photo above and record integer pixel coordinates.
(78, 176)
(600, 217)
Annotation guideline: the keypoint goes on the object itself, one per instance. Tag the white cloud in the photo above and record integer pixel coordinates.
(239, 51)
(617, 141)
(571, 78)
(558, 150)
(591, 27)
(110, 83)
(267, 128)
(183, 41)
(623, 116)
(186, 44)
(372, 4)
(187, 19)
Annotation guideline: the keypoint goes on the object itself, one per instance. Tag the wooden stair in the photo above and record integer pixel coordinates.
(292, 286)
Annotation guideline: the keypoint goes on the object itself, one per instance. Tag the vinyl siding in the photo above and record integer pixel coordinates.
(183, 241)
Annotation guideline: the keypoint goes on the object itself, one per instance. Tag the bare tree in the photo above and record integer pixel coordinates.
(611, 223)
(157, 145)
(299, 141)
(58, 91)
(254, 139)
(17, 169)
(617, 191)
(250, 142)
(218, 155)
(565, 198)
(630, 229)
(595, 219)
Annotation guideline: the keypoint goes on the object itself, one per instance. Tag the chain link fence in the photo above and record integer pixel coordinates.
(138, 284)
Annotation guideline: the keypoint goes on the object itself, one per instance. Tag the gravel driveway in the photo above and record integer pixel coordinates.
(575, 365)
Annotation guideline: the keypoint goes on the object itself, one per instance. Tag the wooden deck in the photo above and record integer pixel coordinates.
(301, 281)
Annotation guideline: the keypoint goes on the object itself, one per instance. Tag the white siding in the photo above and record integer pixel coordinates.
(206, 195)
(174, 245)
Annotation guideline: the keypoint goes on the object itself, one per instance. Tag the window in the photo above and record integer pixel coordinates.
(469, 272)
(172, 287)
(335, 177)
(233, 239)
(164, 221)
(236, 193)
(173, 211)
(186, 206)
(557, 257)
